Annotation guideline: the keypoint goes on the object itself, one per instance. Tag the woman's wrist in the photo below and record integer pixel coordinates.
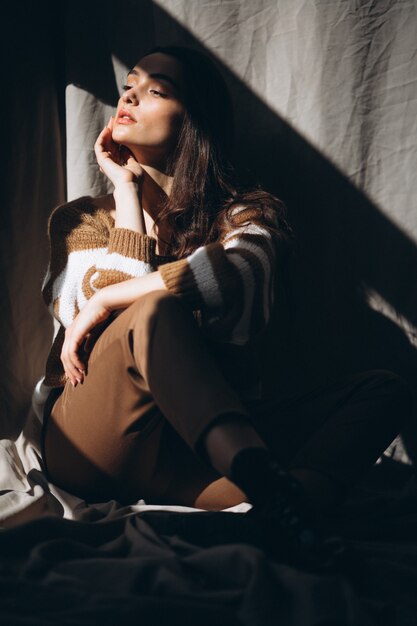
(126, 187)
(103, 299)
(129, 212)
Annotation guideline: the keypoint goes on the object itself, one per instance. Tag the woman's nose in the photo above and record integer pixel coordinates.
(129, 96)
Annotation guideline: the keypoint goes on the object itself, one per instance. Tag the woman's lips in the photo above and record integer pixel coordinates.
(125, 117)
(125, 120)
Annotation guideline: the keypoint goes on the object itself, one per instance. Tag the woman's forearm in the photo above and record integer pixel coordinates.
(121, 295)
(129, 213)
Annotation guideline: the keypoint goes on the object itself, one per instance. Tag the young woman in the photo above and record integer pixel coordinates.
(161, 290)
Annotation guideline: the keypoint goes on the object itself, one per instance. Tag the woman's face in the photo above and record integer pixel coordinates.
(150, 110)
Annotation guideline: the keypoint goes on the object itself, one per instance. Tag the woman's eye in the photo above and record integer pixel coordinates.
(127, 87)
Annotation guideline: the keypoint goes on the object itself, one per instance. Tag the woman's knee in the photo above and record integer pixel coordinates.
(150, 302)
(155, 303)
(154, 313)
(149, 307)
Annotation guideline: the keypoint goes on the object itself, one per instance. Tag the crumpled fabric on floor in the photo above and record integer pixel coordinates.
(168, 567)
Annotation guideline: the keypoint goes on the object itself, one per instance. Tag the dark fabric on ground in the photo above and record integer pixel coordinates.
(162, 567)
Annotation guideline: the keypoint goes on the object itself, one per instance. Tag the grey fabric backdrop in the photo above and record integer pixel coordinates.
(326, 115)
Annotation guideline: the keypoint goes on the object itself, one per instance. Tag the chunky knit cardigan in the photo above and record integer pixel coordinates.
(228, 284)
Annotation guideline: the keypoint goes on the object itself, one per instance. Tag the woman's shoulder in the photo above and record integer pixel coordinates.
(260, 213)
(245, 217)
(83, 211)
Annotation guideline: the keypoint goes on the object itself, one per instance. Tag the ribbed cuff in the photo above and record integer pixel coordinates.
(132, 244)
(179, 278)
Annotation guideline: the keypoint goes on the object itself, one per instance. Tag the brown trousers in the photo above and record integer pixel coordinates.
(155, 383)
(113, 436)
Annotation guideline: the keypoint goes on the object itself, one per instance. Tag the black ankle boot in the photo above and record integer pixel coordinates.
(294, 532)
(291, 531)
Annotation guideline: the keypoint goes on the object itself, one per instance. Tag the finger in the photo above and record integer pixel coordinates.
(103, 136)
(105, 148)
(76, 362)
(125, 153)
(70, 372)
(135, 170)
(73, 373)
(102, 139)
(106, 160)
(70, 378)
(65, 362)
(72, 362)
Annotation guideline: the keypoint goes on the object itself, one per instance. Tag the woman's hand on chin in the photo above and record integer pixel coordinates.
(84, 328)
(116, 162)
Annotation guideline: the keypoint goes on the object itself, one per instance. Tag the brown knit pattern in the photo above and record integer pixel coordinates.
(134, 245)
(81, 226)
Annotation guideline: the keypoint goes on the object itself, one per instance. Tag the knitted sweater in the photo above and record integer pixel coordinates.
(228, 284)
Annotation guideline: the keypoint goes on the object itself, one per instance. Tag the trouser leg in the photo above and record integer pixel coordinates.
(152, 387)
(341, 429)
(180, 370)
(362, 426)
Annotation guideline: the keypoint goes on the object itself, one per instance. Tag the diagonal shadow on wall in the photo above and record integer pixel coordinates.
(322, 324)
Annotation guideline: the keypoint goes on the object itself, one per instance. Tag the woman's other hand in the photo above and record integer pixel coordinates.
(93, 313)
(116, 161)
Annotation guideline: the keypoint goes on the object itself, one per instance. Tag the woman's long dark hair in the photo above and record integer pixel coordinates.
(205, 188)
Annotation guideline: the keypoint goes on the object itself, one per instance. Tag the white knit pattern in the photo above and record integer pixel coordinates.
(205, 278)
(241, 331)
(244, 244)
(250, 229)
(68, 284)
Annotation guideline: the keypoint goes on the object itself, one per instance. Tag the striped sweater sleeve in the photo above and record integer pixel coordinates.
(87, 254)
(231, 281)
